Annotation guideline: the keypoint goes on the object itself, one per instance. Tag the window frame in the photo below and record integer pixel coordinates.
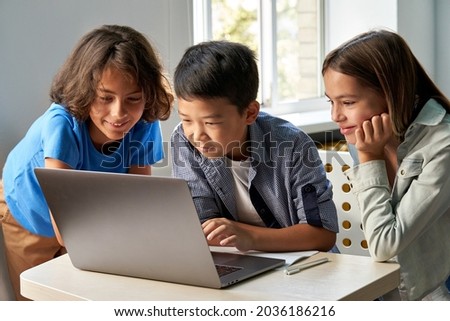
(202, 31)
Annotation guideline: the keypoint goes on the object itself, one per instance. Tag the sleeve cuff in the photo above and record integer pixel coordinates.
(367, 175)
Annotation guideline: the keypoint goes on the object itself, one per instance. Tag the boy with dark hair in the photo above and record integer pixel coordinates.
(256, 180)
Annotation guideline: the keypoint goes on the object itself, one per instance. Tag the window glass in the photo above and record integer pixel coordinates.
(287, 37)
(297, 49)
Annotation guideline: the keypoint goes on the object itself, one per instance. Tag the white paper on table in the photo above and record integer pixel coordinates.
(290, 257)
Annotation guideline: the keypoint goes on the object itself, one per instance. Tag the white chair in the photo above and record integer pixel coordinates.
(6, 291)
(350, 239)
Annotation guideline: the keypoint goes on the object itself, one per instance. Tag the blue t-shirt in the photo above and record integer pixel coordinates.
(57, 134)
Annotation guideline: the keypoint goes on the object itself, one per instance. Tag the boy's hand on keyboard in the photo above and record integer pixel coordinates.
(224, 232)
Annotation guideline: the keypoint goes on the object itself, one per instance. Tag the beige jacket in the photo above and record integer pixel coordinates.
(411, 222)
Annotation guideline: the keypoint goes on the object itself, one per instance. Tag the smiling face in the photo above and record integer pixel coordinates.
(118, 106)
(215, 127)
(351, 102)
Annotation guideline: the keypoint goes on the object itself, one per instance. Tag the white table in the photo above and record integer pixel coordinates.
(345, 277)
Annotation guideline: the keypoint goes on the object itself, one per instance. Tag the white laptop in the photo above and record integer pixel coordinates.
(139, 226)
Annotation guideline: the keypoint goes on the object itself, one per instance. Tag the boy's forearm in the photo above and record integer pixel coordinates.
(300, 237)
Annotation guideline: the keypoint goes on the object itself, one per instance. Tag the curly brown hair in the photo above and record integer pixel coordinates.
(75, 84)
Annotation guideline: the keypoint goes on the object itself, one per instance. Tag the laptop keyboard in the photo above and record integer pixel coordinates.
(226, 269)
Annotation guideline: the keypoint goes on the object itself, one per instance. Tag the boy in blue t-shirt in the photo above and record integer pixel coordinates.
(107, 99)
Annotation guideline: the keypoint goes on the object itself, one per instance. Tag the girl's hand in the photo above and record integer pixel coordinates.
(372, 137)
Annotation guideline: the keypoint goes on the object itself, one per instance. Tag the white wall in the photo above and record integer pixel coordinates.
(36, 37)
(416, 23)
(347, 18)
(412, 19)
(442, 42)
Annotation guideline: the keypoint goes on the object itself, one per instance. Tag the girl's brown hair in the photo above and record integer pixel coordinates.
(122, 47)
(383, 61)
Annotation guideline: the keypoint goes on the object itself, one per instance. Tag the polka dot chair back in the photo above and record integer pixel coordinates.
(350, 239)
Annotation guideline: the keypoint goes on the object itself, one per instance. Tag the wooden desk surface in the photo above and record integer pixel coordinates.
(346, 277)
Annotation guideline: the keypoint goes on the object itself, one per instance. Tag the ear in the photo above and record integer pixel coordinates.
(252, 112)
